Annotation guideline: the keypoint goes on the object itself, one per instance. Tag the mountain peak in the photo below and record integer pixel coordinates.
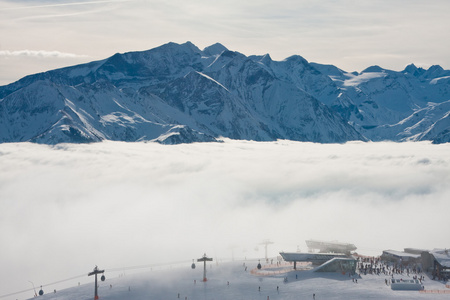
(413, 70)
(174, 48)
(434, 71)
(411, 67)
(435, 68)
(266, 58)
(373, 69)
(214, 49)
(191, 46)
(263, 59)
(296, 59)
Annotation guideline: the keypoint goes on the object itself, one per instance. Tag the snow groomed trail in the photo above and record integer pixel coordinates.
(232, 281)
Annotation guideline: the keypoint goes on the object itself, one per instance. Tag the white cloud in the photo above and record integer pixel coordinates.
(40, 53)
(26, 62)
(67, 208)
(43, 5)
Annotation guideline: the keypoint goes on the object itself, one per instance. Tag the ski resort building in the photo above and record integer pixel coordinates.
(415, 250)
(338, 264)
(437, 261)
(330, 247)
(331, 256)
(327, 262)
(400, 257)
(314, 258)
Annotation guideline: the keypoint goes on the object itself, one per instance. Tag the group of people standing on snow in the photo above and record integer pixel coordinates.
(377, 266)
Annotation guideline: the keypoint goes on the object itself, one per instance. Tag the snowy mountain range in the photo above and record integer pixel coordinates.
(177, 93)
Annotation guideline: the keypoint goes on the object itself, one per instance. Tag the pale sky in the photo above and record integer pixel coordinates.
(40, 35)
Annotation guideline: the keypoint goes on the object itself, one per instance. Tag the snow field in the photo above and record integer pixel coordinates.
(230, 281)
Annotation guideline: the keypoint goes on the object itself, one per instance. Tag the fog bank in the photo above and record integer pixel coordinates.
(66, 208)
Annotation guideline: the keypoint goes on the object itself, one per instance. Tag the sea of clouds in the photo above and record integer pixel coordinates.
(66, 208)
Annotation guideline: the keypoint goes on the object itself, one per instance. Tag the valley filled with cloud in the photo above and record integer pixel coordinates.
(68, 207)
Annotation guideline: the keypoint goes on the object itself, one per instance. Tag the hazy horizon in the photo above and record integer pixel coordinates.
(39, 35)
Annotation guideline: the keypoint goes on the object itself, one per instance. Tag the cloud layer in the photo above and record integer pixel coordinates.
(39, 53)
(67, 208)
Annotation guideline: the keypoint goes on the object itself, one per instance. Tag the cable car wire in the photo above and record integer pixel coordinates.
(108, 270)
(44, 285)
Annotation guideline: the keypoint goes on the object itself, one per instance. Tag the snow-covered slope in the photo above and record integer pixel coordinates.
(151, 95)
(380, 102)
(424, 124)
(178, 93)
(241, 280)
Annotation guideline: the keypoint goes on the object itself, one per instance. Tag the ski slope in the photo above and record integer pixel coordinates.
(230, 280)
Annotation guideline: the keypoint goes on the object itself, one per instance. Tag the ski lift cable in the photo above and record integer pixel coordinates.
(44, 285)
(108, 270)
(15, 293)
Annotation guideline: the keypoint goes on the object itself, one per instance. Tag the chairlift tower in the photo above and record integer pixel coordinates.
(95, 272)
(204, 259)
(265, 243)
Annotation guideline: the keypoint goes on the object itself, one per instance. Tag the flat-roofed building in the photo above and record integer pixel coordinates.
(415, 250)
(437, 261)
(338, 264)
(330, 247)
(400, 256)
(314, 258)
